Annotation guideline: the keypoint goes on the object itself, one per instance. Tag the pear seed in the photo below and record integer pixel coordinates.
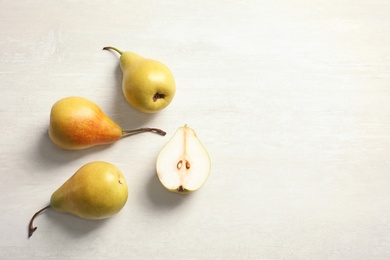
(179, 164)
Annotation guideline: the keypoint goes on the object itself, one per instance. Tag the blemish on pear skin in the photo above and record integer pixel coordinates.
(119, 179)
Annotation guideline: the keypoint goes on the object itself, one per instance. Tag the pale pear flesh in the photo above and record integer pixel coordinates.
(183, 164)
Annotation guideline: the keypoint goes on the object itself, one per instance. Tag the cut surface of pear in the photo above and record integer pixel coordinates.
(78, 123)
(183, 164)
(97, 190)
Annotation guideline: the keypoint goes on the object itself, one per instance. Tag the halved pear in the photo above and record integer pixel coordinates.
(183, 164)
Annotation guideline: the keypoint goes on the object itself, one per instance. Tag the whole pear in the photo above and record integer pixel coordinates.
(148, 85)
(78, 123)
(97, 190)
(183, 164)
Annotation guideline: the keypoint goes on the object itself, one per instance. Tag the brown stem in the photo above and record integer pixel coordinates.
(142, 130)
(112, 48)
(31, 229)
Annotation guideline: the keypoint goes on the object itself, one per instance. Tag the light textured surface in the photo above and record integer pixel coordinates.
(291, 99)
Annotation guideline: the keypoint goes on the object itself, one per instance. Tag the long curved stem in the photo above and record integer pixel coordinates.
(31, 229)
(112, 48)
(142, 130)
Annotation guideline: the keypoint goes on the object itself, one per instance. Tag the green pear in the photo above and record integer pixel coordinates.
(97, 190)
(78, 123)
(148, 85)
(183, 164)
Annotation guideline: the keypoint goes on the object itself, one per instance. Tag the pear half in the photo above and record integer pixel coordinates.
(183, 164)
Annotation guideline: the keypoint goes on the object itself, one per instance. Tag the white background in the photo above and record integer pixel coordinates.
(290, 98)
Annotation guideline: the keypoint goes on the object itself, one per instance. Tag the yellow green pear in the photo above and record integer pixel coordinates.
(183, 164)
(78, 123)
(148, 85)
(97, 190)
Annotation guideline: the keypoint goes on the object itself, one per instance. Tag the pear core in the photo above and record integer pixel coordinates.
(183, 164)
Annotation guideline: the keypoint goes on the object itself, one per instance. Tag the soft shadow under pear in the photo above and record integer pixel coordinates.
(161, 197)
(71, 225)
(52, 156)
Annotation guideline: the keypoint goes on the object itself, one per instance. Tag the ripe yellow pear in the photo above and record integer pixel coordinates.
(148, 85)
(78, 123)
(97, 190)
(183, 164)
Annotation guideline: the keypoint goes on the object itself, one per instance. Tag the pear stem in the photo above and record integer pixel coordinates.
(31, 229)
(112, 48)
(143, 130)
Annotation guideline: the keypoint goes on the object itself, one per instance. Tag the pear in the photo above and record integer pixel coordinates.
(148, 85)
(97, 190)
(78, 123)
(183, 164)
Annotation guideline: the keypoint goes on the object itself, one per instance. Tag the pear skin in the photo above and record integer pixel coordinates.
(183, 164)
(148, 85)
(98, 190)
(78, 123)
